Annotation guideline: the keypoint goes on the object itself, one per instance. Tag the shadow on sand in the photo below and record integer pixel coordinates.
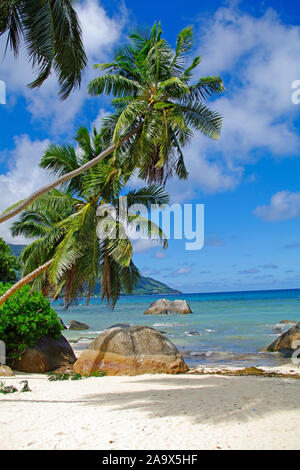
(205, 399)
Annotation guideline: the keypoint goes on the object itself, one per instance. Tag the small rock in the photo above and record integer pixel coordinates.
(284, 344)
(77, 325)
(25, 386)
(119, 325)
(5, 371)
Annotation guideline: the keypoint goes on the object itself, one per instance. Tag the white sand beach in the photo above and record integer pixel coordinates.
(152, 412)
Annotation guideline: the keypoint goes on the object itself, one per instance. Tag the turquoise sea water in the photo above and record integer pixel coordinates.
(224, 329)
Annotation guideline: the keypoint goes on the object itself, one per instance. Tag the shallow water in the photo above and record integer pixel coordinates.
(224, 328)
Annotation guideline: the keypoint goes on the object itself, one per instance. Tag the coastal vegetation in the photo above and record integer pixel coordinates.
(25, 318)
(144, 286)
(9, 263)
(5, 389)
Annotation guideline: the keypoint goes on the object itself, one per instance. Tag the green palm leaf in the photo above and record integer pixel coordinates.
(52, 37)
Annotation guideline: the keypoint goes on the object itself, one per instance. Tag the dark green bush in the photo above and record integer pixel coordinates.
(24, 318)
(9, 264)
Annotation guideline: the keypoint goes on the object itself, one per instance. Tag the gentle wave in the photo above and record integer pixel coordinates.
(169, 324)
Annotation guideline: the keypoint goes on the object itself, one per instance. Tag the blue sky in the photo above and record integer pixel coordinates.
(248, 180)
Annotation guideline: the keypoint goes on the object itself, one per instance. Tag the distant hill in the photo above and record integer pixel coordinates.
(145, 286)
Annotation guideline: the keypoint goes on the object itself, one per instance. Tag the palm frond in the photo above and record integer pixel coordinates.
(117, 84)
(52, 37)
(148, 196)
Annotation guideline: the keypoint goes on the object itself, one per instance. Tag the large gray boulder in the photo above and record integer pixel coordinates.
(167, 307)
(48, 354)
(285, 344)
(130, 351)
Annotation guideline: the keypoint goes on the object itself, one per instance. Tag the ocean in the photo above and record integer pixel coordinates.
(224, 329)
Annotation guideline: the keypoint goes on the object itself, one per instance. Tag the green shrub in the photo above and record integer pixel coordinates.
(4, 389)
(76, 377)
(97, 373)
(54, 376)
(9, 264)
(24, 318)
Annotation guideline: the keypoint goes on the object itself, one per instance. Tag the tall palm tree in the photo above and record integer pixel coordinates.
(67, 223)
(52, 35)
(157, 109)
(155, 99)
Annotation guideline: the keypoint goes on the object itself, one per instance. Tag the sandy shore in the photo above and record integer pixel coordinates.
(152, 412)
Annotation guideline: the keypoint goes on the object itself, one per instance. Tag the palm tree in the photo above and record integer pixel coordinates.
(154, 99)
(156, 109)
(67, 223)
(52, 36)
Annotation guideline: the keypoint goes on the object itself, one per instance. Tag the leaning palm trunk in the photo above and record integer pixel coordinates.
(25, 280)
(16, 209)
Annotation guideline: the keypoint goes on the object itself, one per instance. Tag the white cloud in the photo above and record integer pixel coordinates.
(102, 113)
(292, 245)
(159, 255)
(181, 271)
(262, 52)
(149, 272)
(213, 240)
(23, 177)
(206, 173)
(251, 54)
(249, 271)
(258, 59)
(142, 245)
(283, 205)
(269, 266)
(98, 30)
